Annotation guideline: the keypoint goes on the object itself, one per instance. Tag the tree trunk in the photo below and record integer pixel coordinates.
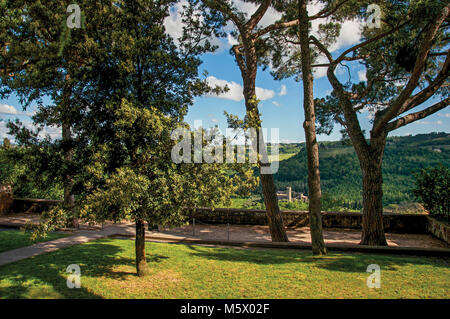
(274, 215)
(141, 264)
(69, 198)
(312, 148)
(373, 230)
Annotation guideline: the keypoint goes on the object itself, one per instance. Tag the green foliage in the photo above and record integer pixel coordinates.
(433, 189)
(21, 168)
(341, 175)
(330, 203)
(148, 185)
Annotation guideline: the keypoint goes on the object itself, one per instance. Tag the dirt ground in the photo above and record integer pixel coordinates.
(331, 235)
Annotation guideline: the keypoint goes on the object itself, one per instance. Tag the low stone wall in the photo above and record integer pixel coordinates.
(404, 223)
(29, 205)
(438, 229)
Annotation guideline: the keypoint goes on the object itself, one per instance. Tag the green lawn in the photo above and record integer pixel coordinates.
(12, 239)
(189, 271)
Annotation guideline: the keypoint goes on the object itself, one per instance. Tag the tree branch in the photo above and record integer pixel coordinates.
(257, 16)
(426, 93)
(327, 11)
(239, 59)
(417, 115)
(425, 48)
(275, 26)
(225, 9)
(343, 57)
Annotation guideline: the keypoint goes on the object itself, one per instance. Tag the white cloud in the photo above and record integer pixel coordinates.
(8, 109)
(283, 90)
(173, 23)
(276, 103)
(350, 34)
(423, 122)
(447, 115)
(3, 130)
(362, 75)
(235, 92)
(231, 40)
(53, 131)
(439, 122)
(264, 94)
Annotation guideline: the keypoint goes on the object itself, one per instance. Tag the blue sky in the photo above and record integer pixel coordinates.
(281, 105)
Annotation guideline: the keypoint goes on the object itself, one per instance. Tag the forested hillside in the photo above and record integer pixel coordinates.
(341, 175)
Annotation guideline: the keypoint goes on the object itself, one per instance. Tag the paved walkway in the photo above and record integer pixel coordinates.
(80, 237)
(235, 233)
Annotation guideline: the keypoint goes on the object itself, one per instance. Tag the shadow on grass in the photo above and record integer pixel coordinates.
(348, 262)
(45, 276)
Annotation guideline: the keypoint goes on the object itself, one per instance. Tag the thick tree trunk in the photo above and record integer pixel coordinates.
(69, 198)
(141, 264)
(312, 148)
(373, 230)
(274, 215)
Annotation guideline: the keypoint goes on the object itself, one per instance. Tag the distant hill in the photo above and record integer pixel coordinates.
(341, 174)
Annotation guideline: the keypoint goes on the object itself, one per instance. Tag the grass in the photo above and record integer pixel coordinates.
(280, 157)
(190, 271)
(12, 239)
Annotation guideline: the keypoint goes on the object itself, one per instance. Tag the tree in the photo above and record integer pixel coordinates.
(246, 56)
(314, 190)
(149, 186)
(407, 64)
(137, 96)
(40, 58)
(289, 53)
(433, 189)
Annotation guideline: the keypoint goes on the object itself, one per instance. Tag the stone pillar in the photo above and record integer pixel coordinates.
(289, 194)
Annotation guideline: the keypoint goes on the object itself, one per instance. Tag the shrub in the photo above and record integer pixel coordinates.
(433, 189)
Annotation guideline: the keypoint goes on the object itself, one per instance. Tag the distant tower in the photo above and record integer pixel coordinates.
(289, 193)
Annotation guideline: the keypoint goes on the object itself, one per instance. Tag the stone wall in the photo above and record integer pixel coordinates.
(34, 206)
(405, 223)
(438, 229)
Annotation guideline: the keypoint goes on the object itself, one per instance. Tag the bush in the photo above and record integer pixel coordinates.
(433, 189)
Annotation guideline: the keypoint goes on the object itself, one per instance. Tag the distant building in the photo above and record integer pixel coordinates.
(290, 195)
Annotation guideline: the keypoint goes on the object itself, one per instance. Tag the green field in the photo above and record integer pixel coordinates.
(340, 173)
(189, 271)
(12, 239)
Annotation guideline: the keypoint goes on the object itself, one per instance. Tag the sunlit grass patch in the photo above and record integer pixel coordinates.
(12, 239)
